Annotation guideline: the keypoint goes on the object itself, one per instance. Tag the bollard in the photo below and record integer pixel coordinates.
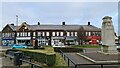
(17, 56)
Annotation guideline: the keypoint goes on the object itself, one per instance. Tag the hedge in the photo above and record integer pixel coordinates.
(68, 49)
(49, 59)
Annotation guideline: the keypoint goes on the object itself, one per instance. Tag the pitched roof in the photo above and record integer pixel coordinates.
(13, 27)
(57, 27)
(90, 28)
(54, 27)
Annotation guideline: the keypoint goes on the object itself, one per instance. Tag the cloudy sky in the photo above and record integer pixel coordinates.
(56, 12)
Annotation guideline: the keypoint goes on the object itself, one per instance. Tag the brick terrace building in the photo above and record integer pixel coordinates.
(0, 38)
(51, 34)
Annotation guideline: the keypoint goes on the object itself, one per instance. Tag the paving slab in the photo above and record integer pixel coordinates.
(97, 57)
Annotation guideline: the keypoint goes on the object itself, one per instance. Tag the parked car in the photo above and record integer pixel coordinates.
(18, 46)
(117, 45)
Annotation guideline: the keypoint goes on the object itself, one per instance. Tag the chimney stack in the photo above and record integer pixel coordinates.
(88, 23)
(38, 23)
(63, 23)
(12, 24)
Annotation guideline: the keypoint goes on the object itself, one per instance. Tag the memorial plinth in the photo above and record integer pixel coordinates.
(108, 36)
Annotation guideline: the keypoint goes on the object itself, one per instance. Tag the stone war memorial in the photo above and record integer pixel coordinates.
(108, 36)
(108, 52)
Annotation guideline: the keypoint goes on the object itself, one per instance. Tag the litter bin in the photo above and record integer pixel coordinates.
(17, 56)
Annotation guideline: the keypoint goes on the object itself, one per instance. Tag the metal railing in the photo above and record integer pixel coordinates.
(31, 63)
(11, 54)
(68, 59)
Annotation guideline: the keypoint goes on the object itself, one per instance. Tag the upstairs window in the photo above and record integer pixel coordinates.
(28, 33)
(75, 33)
(68, 33)
(72, 34)
(53, 33)
(34, 34)
(47, 33)
(61, 33)
(18, 34)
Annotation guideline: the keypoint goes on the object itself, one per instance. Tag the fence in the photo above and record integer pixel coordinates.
(100, 65)
(18, 58)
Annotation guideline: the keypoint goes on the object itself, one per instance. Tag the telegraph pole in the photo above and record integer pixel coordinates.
(16, 20)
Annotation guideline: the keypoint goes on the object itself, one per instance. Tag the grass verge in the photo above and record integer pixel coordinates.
(86, 46)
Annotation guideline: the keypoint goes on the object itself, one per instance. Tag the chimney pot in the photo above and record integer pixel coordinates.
(12, 24)
(88, 23)
(63, 23)
(38, 23)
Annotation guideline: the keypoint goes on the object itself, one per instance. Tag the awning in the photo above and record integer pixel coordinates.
(71, 38)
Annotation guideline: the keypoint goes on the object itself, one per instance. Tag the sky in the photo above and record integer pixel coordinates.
(78, 13)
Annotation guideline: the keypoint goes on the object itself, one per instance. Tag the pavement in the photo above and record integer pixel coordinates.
(92, 52)
(6, 62)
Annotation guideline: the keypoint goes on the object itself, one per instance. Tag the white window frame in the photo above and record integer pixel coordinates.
(43, 33)
(18, 34)
(57, 33)
(39, 33)
(61, 33)
(89, 33)
(75, 33)
(25, 33)
(47, 33)
(72, 34)
(53, 33)
(3, 35)
(28, 33)
(68, 33)
(34, 33)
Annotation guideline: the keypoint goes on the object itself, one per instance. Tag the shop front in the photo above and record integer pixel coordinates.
(42, 41)
(71, 41)
(57, 41)
(23, 40)
(7, 41)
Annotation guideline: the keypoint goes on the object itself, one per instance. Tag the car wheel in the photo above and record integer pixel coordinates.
(13, 47)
